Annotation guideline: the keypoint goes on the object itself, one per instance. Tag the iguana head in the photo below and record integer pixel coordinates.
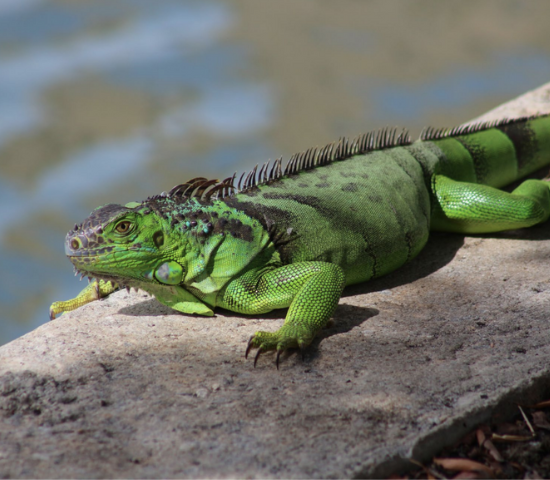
(125, 244)
(166, 241)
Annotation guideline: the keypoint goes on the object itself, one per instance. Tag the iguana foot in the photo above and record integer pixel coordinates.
(94, 291)
(288, 336)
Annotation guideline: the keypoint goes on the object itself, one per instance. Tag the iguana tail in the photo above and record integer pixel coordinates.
(494, 153)
(476, 161)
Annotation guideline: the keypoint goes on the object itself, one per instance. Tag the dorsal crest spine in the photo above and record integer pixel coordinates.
(207, 190)
(431, 133)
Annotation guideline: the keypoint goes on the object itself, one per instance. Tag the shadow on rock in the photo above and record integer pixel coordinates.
(148, 308)
(346, 318)
(438, 252)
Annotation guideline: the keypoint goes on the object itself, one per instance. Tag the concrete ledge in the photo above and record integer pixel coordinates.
(128, 388)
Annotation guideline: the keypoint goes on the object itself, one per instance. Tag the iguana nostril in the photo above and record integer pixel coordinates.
(75, 244)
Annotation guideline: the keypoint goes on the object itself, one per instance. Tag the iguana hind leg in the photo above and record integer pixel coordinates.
(472, 208)
(94, 291)
(311, 290)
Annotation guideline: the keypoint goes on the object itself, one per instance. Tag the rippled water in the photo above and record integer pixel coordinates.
(114, 100)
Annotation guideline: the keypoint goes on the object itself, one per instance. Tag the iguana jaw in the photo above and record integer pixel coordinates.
(98, 264)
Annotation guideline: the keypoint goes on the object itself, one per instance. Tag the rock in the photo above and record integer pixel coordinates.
(126, 387)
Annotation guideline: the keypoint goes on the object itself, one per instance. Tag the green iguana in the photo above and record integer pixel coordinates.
(295, 237)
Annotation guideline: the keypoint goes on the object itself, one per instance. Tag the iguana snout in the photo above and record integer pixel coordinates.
(89, 238)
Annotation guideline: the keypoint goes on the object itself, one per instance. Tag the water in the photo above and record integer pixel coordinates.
(114, 100)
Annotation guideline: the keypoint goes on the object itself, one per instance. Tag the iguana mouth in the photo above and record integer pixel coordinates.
(87, 253)
(82, 253)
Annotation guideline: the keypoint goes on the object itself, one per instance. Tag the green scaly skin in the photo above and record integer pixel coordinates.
(337, 216)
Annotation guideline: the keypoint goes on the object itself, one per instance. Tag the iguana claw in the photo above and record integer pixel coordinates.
(263, 349)
(277, 358)
(249, 347)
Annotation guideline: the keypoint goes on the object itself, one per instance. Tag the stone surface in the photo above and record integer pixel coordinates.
(126, 387)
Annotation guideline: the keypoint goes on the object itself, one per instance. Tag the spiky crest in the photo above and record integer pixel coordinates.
(206, 190)
(431, 133)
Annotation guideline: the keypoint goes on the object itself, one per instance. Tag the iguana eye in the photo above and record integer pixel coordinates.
(123, 227)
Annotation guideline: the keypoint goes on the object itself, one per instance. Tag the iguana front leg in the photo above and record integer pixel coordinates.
(311, 290)
(172, 296)
(94, 291)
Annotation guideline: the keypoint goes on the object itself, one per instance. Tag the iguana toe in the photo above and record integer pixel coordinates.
(283, 339)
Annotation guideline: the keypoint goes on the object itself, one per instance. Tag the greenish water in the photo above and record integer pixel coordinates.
(114, 100)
